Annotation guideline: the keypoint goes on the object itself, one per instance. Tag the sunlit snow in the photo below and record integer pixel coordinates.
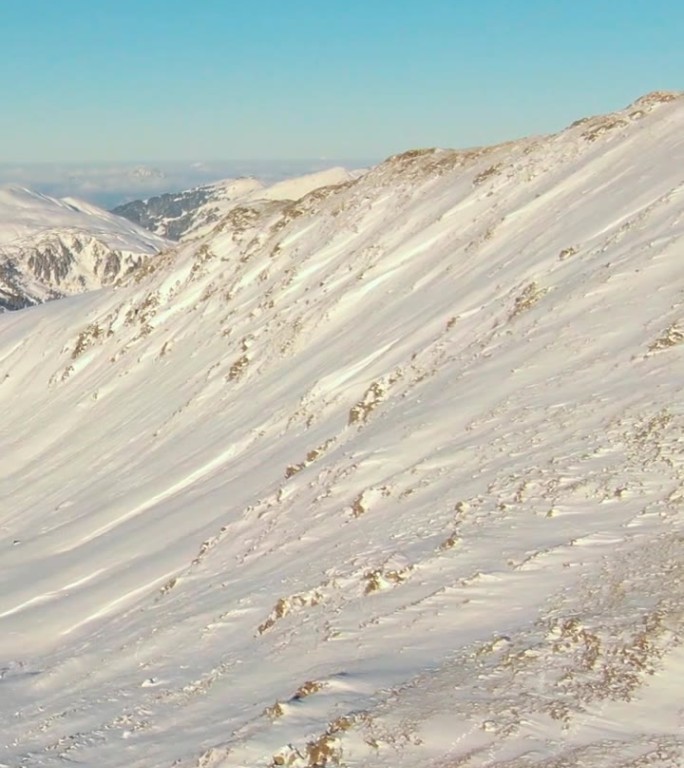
(389, 476)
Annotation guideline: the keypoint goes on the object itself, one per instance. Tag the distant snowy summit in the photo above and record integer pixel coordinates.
(192, 213)
(51, 248)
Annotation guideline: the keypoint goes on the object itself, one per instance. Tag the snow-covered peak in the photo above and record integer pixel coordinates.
(295, 189)
(51, 247)
(24, 213)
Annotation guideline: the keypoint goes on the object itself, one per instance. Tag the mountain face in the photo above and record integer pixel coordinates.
(192, 213)
(388, 476)
(52, 248)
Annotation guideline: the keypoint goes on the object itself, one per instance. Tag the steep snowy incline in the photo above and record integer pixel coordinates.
(387, 476)
(51, 248)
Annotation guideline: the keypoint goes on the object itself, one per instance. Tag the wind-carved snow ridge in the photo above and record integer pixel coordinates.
(388, 475)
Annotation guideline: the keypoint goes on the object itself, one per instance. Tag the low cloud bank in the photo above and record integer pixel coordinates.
(112, 185)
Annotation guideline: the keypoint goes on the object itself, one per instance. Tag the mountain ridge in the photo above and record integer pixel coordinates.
(384, 476)
(191, 213)
(52, 247)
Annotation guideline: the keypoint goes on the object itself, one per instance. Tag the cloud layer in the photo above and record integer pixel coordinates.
(111, 185)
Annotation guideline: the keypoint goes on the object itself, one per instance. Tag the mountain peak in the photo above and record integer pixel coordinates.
(51, 247)
(654, 98)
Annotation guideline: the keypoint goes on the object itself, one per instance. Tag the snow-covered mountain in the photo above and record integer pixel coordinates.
(192, 213)
(388, 476)
(51, 248)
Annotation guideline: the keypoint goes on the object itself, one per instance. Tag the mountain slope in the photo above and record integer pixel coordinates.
(51, 248)
(192, 213)
(388, 476)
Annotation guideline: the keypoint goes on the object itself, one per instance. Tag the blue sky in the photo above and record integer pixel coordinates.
(164, 80)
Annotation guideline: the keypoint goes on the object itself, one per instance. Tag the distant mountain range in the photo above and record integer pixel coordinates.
(50, 248)
(192, 213)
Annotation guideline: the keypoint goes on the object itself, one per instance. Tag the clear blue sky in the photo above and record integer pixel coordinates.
(171, 80)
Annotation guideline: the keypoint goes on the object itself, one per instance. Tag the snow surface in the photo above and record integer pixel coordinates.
(390, 476)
